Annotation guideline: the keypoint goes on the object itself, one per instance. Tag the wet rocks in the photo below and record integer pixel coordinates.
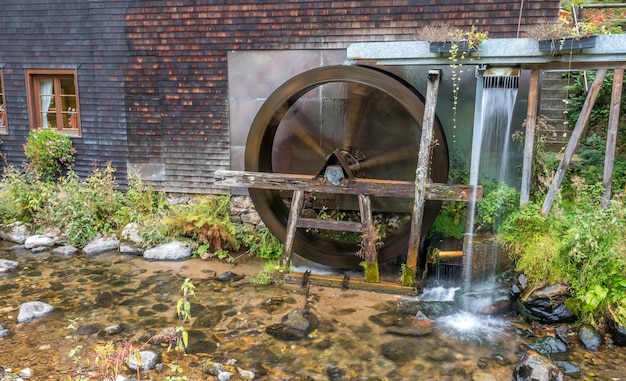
(147, 360)
(88, 329)
(547, 305)
(400, 350)
(65, 250)
(533, 366)
(226, 372)
(171, 251)
(100, 245)
(419, 326)
(589, 337)
(294, 326)
(229, 276)
(32, 310)
(7, 265)
(548, 345)
(617, 332)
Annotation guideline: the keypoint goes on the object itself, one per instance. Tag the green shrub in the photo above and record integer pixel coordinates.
(141, 203)
(495, 206)
(207, 221)
(577, 243)
(84, 209)
(49, 152)
(22, 196)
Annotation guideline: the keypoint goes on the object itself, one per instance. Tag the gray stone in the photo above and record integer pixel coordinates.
(532, 366)
(101, 245)
(172, 251)
(16, 232)
(7, 265)
(130, 233)
(31, 310)
(65, 251)
(213, 368)
(26, 373)
(3, 332)
(548, 345)
(589, 337)
(224, 376)
(35, 241)
(147, 360)
(130, 249)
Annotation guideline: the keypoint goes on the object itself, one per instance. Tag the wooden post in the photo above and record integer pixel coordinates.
(292, 224)
(369, 239)
(421, 175)
(611, 137)
(529, 141)
(585, 112)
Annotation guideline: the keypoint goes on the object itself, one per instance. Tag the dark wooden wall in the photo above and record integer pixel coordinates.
(153, 74)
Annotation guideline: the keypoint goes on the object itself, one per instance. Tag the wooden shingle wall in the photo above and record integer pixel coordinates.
(153, 74)
(84, 35)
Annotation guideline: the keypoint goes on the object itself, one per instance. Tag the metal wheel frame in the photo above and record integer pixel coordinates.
(258, 158)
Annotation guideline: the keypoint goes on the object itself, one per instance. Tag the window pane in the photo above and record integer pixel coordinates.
(69, 103)
(67, 86)
(49, 120)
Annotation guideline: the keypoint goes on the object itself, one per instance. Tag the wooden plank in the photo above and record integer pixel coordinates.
(423, 168)
(585, 112)
(350, 283)
(529, 140)
(316, 223)
(368, 187)
(611, 137)
(294, 214)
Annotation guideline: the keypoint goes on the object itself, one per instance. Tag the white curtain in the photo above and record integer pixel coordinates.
(45, 87)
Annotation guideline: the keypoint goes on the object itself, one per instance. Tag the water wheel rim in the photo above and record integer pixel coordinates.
(258, 158)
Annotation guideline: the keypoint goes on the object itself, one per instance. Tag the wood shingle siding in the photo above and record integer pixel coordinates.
(152, 75)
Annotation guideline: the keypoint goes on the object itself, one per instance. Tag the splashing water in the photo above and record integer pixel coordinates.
(466, 326)
(438, 294)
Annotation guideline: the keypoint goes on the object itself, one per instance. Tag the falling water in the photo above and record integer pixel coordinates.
(499, 94)
(490, 147)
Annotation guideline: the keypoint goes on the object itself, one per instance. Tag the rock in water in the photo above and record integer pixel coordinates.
(532, 366)
(229, 276)
(32, 310)
(589, 337)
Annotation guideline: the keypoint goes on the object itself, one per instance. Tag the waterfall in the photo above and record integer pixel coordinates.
(491, 148)
(499, 94)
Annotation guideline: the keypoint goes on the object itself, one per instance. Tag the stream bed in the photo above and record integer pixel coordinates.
(118, 301)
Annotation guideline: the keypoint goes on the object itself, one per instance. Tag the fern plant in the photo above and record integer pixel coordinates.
(207, 221)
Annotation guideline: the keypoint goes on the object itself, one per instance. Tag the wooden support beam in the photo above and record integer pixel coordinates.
(297, 202)
(423, 169)
(611, 137)
(529, 140)
(585, 112)
(348, 283)
(368, 187)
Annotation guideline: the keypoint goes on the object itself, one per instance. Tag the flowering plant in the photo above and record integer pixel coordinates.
(49, 151)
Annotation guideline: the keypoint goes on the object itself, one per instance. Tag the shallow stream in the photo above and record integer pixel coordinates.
(228, 325)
